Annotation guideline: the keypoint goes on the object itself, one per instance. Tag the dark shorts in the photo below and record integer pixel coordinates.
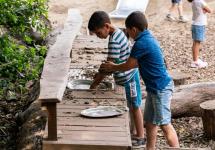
(176, 1)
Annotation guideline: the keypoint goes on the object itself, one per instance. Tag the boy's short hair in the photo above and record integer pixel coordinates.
(136, 19)
(98, 20)
(189, 0)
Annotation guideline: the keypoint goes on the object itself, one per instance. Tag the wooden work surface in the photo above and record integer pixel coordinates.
(80, 133)
(75, 132)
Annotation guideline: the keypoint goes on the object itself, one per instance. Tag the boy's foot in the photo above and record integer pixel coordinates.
(138, 142)
(182, 19)
(199, 64)
(169, 17)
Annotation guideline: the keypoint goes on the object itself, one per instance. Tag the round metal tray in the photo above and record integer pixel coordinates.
(102, 112)
(85, 85)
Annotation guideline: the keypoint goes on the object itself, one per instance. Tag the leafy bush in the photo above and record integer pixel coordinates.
(21, 58)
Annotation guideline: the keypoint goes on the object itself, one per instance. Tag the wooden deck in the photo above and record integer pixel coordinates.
(80, 133)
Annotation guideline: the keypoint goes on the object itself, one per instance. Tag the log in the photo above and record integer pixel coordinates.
(208, 118)
(186, 98)
(179, 77)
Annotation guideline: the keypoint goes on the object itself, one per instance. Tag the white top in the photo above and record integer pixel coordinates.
(199, 17)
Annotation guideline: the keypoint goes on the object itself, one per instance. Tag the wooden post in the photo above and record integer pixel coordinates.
(208, 118)
(52, 120)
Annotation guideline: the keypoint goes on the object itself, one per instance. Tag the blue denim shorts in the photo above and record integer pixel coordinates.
(157, 106)
(198, 33)
(176, 1)
(133, 91)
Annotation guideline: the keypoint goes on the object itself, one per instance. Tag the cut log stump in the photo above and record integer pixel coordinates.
(179, 77)
(208, 118)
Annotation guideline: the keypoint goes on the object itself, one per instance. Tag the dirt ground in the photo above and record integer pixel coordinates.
(175, 40)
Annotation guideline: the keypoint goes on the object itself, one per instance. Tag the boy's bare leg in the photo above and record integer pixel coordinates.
(180, 9)
(172, 8)
(133, 129)
(138, 122)
(170, 134)
(195, 48)
(151, 135)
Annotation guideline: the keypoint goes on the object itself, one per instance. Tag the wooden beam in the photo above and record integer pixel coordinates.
(52, 120)
(57, 63)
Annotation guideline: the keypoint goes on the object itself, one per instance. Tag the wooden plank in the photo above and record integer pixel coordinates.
(54, 79)
(93, 120)
(96, 137)
(84, 56)
(92, 94)
(98, 129)
(95, 134)
(64, 42)
(69, 146)
(70, 101)
(90, 42)
(91, 140)
(57, 63)
(82, 66)
(92, 123)
(72, 113)
(81, 107)
(86, 62)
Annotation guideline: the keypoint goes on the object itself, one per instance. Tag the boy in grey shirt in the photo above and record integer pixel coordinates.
(200, 9)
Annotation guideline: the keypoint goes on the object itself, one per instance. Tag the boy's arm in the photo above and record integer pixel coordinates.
(97, 79)
(206, 8)
(99, 76)
(111, 67)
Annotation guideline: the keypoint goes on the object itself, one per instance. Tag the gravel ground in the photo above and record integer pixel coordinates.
(190, 133)
(176, 42)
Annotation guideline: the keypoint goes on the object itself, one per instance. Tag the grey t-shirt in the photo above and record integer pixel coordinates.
(199, 17)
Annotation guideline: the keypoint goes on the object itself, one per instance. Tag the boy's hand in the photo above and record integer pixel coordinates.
(97, 79)
(206, 9)
(93, 86)
(107, 67)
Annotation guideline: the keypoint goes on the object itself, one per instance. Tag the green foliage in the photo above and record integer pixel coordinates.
(21, 59)
(20, 16)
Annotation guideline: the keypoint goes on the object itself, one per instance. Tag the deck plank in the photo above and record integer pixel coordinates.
(103, 133)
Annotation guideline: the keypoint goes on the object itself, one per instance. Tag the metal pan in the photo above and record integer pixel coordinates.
(85, 85)
(102, 112)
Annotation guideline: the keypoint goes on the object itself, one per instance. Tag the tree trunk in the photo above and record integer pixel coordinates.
(208, 118)
(186, 98)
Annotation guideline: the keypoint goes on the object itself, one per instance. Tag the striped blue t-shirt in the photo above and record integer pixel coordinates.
(119, 50)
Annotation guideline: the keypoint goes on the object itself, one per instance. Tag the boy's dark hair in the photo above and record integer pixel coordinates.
(136, 19)
(189, 0)
(98, 20)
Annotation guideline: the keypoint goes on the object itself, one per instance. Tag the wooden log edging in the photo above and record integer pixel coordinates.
(208, 118)
(186, 98)
(56, 67)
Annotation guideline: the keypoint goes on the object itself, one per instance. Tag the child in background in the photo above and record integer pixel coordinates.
(200, 9)
(146, 54)
(179, 5)
(118, 52)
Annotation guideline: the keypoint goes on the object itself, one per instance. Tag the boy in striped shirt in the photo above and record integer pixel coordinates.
(119, 52)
